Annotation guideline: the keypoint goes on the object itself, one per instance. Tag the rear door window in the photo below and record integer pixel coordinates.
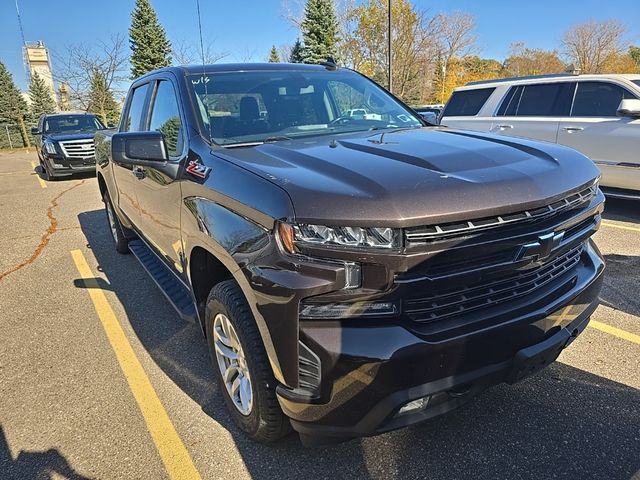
(467, 103)
(598, 99)
(133, 120)
(545, 100)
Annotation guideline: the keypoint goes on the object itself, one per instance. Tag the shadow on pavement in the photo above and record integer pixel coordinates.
(621, 210)
(49, 464)
(563, 422)
(620, 287)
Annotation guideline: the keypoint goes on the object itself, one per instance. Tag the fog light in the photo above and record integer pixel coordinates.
(345, 310)
(414, 406)
(57, 165)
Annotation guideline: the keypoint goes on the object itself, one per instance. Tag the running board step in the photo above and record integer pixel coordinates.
(173, 289)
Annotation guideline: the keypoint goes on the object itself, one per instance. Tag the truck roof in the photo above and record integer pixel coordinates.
(238, 67)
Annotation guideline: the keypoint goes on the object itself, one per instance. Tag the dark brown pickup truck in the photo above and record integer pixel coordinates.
(352, 273)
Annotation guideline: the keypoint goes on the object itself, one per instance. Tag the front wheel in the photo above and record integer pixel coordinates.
(117, 232)
(241, 365)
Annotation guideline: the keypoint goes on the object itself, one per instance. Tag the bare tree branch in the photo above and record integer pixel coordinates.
(591, 45)
(185, 53)
(77, 65)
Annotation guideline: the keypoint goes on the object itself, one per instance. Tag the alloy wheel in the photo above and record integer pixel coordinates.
(232, 363)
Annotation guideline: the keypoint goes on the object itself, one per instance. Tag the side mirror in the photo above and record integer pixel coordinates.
(111, 125)
(430, 117)
(629, 107)
(35, 131)
(133, 148)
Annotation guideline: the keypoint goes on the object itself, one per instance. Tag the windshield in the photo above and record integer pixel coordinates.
(254, 107)
(72, 124)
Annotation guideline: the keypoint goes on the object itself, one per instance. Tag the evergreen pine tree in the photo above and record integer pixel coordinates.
(273, 55)
(150, 48)
(296, 52)
(41, 100)
(101, 100)
(319, 31)
(12, 106)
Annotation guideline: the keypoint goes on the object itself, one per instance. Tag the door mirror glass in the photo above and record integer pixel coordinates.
(430, 117)
(629, 107)
(35, 131)
(111, 126)
(138, 147)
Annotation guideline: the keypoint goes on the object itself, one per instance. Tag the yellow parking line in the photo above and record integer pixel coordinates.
(621, 227)
(603, 327)
(173, 452)
(42, 184)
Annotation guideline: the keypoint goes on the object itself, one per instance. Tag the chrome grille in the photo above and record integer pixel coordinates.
(445, 304)
(434, 233)
(82, 149)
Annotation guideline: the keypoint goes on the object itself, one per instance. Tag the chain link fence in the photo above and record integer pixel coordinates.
(10, 136)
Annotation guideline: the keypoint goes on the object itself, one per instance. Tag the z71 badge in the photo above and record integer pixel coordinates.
(197, 169)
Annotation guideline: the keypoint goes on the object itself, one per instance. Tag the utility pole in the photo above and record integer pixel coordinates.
(389, 48)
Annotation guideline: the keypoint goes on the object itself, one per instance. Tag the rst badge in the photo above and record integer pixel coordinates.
(198, 169)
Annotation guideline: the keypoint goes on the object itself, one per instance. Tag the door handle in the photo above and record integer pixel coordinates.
(504, 127)
(572, 129)
(138, 172)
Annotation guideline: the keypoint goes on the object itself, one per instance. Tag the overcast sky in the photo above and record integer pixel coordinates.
(246, 29)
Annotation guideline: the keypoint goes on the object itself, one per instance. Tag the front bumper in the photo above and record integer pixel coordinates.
(370, 370)
(60, 166)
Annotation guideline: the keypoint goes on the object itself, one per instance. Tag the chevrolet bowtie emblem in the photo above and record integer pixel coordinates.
(540, 250)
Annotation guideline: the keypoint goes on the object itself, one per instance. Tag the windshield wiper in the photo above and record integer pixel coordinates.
(393, 128)
(276, 138)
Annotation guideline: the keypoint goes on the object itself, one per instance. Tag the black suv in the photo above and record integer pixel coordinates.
(352, 273)
(65, 143)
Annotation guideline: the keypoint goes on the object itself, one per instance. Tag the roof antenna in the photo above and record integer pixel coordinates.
(204, 70)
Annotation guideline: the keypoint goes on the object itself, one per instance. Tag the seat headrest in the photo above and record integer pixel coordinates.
(249, 110)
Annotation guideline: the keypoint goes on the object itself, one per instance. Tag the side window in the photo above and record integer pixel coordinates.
(466, 103)
(546, 100)
(134, 114)
(510, 103)
(165, 117)
(598, 99)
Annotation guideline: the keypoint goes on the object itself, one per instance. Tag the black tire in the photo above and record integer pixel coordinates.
(116, 229)
(265, 423)
(45, 173)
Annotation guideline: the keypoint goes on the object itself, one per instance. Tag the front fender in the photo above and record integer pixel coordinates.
(237, 242)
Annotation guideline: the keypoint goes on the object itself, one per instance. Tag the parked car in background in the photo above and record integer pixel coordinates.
(429, 112)
(353, 273)
(65, 143)
(599, 115)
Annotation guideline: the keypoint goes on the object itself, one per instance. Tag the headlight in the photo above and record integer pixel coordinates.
(358, 237)
(50, 147)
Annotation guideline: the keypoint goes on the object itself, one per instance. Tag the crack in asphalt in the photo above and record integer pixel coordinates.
(44, 240)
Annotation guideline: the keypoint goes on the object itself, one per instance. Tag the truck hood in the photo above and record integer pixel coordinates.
(414, 177)
(60, 137)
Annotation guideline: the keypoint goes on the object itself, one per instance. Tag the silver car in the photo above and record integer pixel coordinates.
(599, 115)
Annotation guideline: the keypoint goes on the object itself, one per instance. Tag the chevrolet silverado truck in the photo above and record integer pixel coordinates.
(351, 275)
(65, 143)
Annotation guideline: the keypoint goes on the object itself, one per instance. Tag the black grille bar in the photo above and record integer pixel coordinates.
(445, 304)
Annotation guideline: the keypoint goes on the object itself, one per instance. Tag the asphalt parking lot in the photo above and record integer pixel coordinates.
(77, 402)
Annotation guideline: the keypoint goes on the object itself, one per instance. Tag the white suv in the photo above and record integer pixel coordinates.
(599, 115)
